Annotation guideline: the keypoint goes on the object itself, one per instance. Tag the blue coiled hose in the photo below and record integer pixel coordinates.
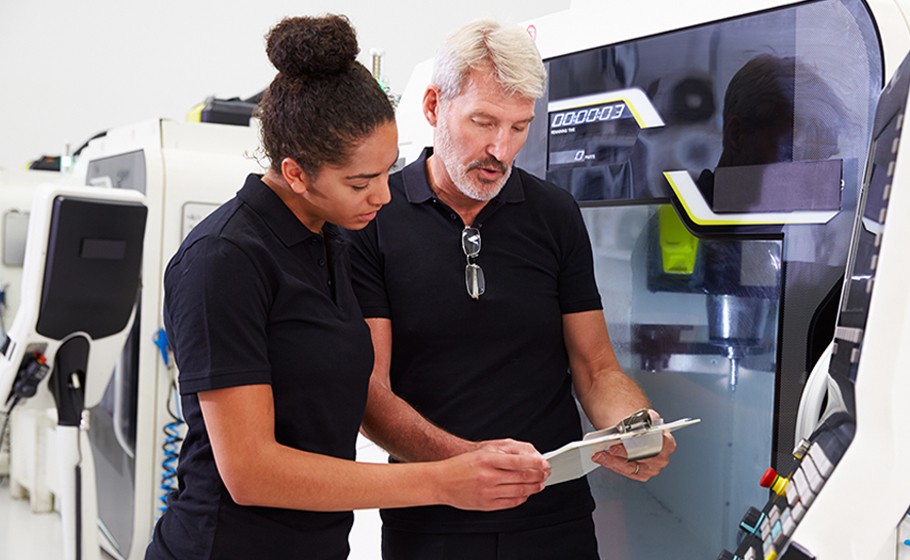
(171, 447)
(172, 431)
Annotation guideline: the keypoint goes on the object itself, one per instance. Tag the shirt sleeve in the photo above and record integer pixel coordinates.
(368, 272)
(577, 285)
(216, 309)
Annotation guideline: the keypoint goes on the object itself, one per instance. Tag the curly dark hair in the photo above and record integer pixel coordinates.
(322, 102)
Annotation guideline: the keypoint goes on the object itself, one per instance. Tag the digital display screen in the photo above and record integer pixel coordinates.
(600, 134)
(588, 115)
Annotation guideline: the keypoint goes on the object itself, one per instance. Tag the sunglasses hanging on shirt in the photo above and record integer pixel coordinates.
(473, 274)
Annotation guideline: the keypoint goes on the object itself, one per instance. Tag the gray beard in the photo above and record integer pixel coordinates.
(459, 172)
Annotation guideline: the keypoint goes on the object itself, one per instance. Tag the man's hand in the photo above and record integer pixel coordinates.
(643, 470)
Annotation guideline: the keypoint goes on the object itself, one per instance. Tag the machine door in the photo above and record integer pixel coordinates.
(718, 169)
(113, 433)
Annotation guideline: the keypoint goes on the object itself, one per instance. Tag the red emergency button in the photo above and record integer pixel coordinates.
(774, 481)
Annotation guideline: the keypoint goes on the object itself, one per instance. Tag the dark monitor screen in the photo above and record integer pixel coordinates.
(94, 257)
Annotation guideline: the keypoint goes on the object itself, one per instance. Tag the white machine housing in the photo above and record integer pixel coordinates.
(190, 169)
(868, 493)
(20, 333)
(23, 338)
(17, 186)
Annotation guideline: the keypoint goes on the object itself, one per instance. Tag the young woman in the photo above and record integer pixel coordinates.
(273, 353)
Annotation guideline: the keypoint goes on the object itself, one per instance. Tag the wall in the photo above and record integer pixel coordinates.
(69, 70)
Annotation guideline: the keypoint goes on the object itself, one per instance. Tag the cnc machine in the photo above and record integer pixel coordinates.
(185, 170)
(81, 275)
(718, 152)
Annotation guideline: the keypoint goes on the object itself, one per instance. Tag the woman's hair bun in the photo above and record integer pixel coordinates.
(312, 46)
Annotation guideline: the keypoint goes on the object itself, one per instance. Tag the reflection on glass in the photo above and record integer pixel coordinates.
(764, 135)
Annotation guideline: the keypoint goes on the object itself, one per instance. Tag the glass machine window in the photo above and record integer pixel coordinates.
(718, 169)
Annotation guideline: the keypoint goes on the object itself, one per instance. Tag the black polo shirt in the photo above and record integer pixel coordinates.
(252, 296)
(492, 368)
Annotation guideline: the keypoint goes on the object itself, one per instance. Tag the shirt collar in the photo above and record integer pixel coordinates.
(417, 182)
(276, 215)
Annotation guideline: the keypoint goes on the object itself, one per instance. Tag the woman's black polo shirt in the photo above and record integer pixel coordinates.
(486, 369)
(252, 296)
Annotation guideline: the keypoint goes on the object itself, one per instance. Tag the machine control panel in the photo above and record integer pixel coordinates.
(765, 533)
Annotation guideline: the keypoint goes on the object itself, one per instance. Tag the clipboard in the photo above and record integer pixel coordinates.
(640, 438)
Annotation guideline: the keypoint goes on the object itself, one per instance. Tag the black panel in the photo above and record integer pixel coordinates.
(228, 111)
(91, 291)
(67, 381)
(778, 187)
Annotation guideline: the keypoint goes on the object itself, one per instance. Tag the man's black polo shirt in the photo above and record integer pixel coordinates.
(492, 368)
(249, 300)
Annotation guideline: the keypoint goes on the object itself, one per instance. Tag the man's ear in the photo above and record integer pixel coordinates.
(296, 177)
(733, 134)
(431, 104)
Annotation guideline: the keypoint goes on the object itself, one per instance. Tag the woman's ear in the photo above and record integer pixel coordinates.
(296, 177)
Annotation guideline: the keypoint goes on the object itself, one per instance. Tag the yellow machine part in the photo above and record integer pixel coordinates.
(678, 247)
(195, 114)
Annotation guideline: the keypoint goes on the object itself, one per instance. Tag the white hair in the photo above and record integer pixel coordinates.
(508, 52)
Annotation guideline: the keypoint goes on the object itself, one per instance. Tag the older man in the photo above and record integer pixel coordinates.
(478, 286)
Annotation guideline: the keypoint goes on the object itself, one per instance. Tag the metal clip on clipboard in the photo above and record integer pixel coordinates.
(640, 442)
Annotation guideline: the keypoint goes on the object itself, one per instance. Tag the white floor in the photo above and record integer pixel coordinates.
(28, 536)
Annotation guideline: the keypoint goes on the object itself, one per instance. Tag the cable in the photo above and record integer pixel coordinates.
(171, 448)
(4, 432)
(5, 436)
(3, 288)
